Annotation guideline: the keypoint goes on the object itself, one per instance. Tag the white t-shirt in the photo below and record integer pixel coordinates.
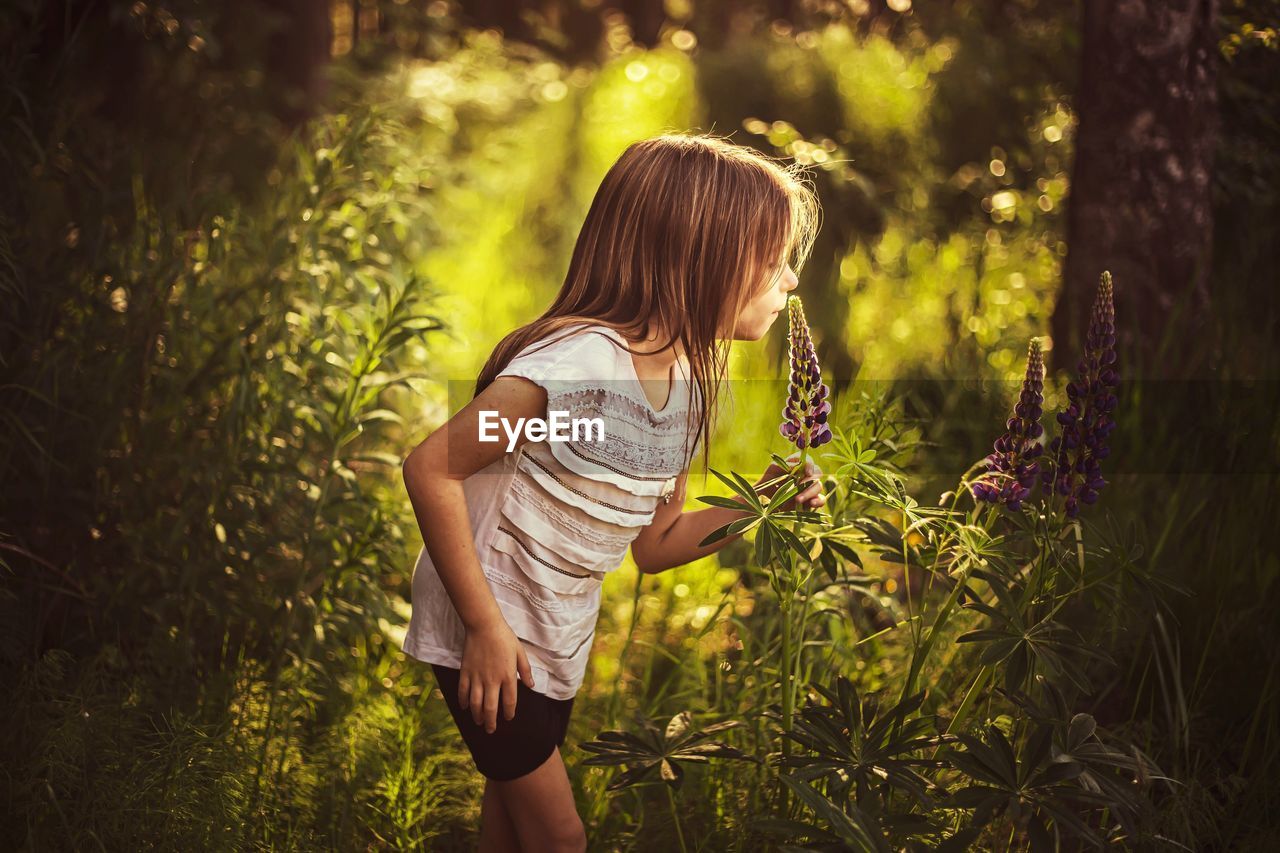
(552, 518)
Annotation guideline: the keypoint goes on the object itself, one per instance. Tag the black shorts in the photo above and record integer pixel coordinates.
(516, 746)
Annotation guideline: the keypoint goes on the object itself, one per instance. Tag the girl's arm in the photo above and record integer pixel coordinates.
(433, 475)
(672, 538)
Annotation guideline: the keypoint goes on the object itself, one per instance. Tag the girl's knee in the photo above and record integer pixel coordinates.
(553, 831)
(568, 836)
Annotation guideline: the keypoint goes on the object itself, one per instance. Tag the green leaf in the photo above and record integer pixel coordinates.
(678, 725)
(763, 545)
(740, 525)
(747, 492)
(631, 777)
(721, 501)
(785, 492)
(792, 540)
(381, 415)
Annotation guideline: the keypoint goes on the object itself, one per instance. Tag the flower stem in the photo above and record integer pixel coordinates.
(786, 671)
(675, 816)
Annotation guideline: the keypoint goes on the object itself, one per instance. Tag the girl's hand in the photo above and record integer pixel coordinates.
(491, 656)
(809, 497)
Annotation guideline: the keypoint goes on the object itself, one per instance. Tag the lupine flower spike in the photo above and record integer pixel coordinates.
(1011, 470)
(1074, 455)
(804, 418)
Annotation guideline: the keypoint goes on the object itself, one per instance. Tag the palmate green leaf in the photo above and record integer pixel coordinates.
(784, 828)
(880, 533)
(843, 550)
(1035, 752)
(827, 560)
(745, 484)
(632, 777)
(678, 740)
(979, 763)
(1040, 786)
(678, 725)
(1081, 728)
(741, 525)
(997, 616)
(741, 487)
(764, 544)
(614, 753)
(1064, 771)
(909, 823)
(1010, 607)
(616, 748)
(1070, 821)
(770, 483)
(792, 540)
(851, 743)
(853, 827)
(1016, 665)
(982, 635)
(1002, 752)
(713, 728)
(722, 501)
(812, 770)
(703, 751)
(1038, 834)
(973, 796)
(785, 492)
(960, 841)
(998, 651)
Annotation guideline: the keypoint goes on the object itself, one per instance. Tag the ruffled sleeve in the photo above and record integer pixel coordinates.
(559, 364)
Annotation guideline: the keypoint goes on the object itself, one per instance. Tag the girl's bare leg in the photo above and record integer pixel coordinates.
(497, 832)
(542, 809)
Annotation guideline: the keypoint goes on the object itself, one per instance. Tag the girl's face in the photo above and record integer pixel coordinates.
(765, 307)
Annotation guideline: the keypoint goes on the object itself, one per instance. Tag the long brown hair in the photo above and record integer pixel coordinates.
(685, 229)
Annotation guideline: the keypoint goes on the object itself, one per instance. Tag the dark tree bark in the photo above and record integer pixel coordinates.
(504, 15)
(298, 52)
(1140, 201)
(646, 18)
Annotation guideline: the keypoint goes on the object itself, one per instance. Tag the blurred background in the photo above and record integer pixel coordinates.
(253, 252)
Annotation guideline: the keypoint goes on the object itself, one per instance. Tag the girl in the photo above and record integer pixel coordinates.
(687, 246)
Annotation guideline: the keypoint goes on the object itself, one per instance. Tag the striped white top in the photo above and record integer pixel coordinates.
(552, 518)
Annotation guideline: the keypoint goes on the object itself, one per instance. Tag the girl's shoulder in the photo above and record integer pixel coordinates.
(582, 352)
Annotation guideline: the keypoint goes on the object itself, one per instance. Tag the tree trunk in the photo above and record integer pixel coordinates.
(1140, 202)
(297, 53)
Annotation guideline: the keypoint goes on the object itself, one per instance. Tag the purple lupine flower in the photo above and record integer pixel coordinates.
(1011, 470)
(1073, 461)
(804, 421)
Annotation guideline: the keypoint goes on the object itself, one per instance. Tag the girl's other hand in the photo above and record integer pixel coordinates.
(810, 496)
(492, 657)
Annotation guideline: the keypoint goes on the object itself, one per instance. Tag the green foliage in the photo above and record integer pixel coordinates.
(860, 750)
(661, 749)
(222, 337)
(1020, 642)
(871, 778)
